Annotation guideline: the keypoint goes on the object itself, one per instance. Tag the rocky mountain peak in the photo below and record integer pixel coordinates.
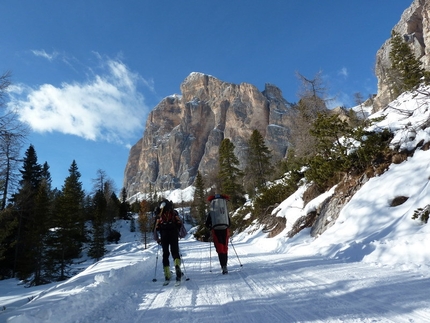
(183, 132)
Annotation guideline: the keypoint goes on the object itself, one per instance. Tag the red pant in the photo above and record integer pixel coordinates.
(220, 238)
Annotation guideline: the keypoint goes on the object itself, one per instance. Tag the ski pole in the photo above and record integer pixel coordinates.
(156, 262)
(210, 256)
(183, 265)
(235, 252)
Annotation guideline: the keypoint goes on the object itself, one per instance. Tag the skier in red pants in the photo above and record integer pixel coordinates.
(218, 222)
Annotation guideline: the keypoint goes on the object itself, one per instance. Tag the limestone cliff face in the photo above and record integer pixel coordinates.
(414, 26)
(183, 132)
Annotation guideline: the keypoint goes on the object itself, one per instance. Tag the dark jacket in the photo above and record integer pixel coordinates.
(168, 220)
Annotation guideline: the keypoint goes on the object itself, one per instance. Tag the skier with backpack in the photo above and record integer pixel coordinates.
(166, 233)
(218, 222)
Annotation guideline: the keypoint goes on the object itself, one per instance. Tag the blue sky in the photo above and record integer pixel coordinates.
(86, 73)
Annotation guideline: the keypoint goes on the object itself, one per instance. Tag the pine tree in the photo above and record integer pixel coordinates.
(97, 246)
(104, 185)
(199, 201)
(105, 208)
(69, 222)
(125, 206)
(329, 131)
(144, 220)
(32, 170)
(132, 225)
(406, 71)
(8, 230)
(340, 148)
(40, 232)
(332, 151)
(259, 167)
(24, 200)
(113, 204)
(229, 173)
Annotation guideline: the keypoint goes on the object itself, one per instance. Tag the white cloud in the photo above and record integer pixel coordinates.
(339, 100)
(107, 107)
(42, 53)
(343, 71)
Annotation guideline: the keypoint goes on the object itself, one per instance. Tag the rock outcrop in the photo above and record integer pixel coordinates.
(183, 132)
(414, 26)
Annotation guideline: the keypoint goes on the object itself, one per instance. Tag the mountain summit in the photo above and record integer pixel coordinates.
(183, 132)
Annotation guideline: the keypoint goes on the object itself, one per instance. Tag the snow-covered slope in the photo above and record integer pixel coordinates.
(372, 265)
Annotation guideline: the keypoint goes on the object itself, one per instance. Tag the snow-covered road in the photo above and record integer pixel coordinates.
(269, 287)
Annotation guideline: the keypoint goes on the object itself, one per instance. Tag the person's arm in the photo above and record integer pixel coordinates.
(177, 219)
(156, 230)
(208, 222)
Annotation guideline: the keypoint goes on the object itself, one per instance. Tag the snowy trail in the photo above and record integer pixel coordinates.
(270, 287)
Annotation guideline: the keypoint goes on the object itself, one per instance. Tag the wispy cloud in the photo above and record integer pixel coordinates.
(343, 71)
(107, 107)
(339, 100)
(42, 53)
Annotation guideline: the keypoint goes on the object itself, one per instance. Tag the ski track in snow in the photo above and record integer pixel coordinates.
(269, 287)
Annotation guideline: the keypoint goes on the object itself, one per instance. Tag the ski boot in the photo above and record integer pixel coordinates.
(178, 269)
(167, 273)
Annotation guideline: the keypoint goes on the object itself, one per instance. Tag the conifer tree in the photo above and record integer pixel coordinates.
(40, 233)
(329, 130)
(340, 148)
(406, 71)
(259, 167)
(69, 222)
(132, 225)
(125, 206)
(199, 201)
(105, 207)
(32, 170)
(229, 173)
(46, 176)
(97, 245)
(24, 200)
(8, 229)
(112, 204)
(144, 220)
(153, 196)
(332, 152)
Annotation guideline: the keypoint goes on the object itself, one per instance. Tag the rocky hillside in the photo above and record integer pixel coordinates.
(414, 25)
(183, 132)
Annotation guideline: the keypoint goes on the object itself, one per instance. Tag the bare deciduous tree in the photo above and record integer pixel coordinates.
(12, 137)
(312, 101)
